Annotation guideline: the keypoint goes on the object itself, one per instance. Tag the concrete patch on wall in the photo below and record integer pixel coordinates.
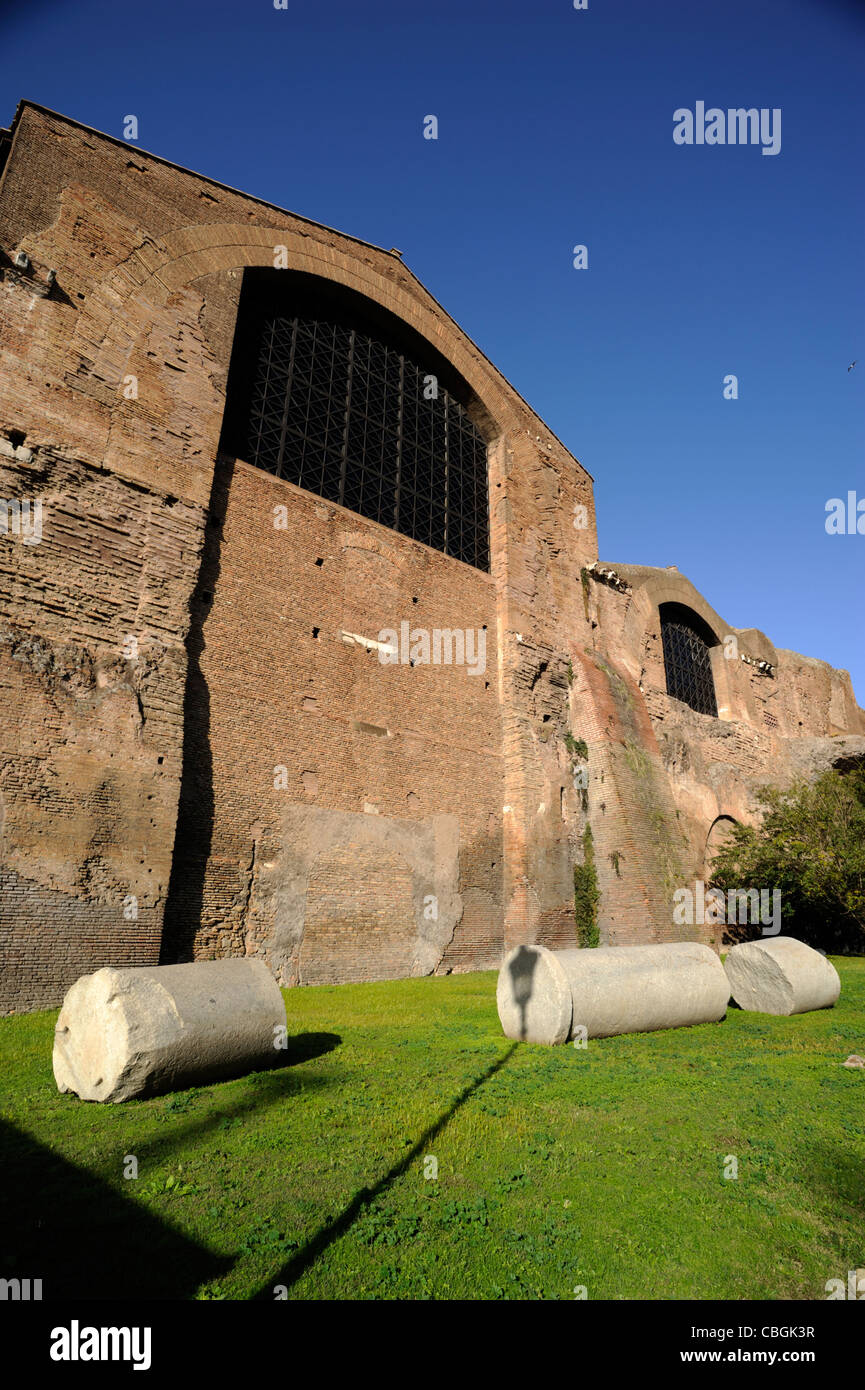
(348, 896)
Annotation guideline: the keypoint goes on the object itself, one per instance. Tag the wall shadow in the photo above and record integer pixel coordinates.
(307, 1256)
(66, 1227)
(193, 834)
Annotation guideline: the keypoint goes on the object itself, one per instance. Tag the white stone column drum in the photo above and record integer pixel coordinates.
(146, 1030)
(780, 975)
(544, 996)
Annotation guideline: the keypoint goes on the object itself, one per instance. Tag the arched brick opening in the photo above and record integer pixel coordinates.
(124, 305)
(719, 834)
(338, 395)
(687, 640)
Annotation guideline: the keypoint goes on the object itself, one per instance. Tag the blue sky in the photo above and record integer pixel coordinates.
(555, 128)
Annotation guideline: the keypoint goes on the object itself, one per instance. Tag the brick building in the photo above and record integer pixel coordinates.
(302, 625)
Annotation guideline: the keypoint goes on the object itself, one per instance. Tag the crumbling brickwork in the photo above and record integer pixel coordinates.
(208, 755)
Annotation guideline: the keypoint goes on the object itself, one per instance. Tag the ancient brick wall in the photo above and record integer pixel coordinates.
(292, 707)
(92, 672)
(118, 369)
(672, 774)
(203, 725)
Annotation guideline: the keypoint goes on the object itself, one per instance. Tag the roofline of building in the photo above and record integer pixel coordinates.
(25, 102)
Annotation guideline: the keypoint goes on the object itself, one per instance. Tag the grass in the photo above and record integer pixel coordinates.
(557, 1167)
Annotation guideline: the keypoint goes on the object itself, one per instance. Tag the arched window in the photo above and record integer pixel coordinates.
(686, 640)
(341, 398)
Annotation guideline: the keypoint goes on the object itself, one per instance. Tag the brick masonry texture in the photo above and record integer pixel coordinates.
(203, 755)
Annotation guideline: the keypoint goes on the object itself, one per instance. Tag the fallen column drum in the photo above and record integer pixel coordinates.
(545, 996)
(149, 1029)
(780, 975)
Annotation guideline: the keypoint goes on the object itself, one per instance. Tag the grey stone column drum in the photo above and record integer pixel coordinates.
(544, 996)
(780, 975)
(141, 1031)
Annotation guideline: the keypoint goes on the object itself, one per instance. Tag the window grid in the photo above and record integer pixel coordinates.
(688, 666)
(346, 417)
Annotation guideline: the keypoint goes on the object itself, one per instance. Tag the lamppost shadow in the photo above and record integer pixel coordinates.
(333, 1230)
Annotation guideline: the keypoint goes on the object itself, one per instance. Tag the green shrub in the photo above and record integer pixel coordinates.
(586, 894)
(576, 746)
(810, 845)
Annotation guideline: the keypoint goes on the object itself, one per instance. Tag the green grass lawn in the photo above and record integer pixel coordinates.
(557, 1167)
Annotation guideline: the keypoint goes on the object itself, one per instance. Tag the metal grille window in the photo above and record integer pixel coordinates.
(687, 663)
(356, 422)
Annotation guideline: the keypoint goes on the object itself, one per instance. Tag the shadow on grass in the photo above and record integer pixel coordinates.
(66, 1227)
(270, 1088)
(303, 1047)
(838, 1173)
(336, 1228)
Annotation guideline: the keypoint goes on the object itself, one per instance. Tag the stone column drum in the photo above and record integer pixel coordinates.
(145, 1030)
(780, 975)
(543, 996)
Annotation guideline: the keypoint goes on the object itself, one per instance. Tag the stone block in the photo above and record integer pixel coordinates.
(545, 996)
(138, 1032)
(780, 975)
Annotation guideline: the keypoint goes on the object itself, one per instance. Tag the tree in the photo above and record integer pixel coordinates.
(810, 844)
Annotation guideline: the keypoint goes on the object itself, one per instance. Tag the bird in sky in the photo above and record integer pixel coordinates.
(852, 365)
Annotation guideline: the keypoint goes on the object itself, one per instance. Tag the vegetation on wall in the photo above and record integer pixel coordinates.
(584, 580)
(810, 845)
(586, 894)
(576, 746)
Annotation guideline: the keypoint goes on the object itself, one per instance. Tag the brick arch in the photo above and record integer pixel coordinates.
(666, 588)
(143, 284)
(717, 835)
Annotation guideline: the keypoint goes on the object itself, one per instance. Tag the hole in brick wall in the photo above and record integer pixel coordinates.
(486, 685)
(320, 561)
(315, 632)
(546, 719)
(414, 600)
(80, 295)
(159, 760)
(16, 438)
(170, 501)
